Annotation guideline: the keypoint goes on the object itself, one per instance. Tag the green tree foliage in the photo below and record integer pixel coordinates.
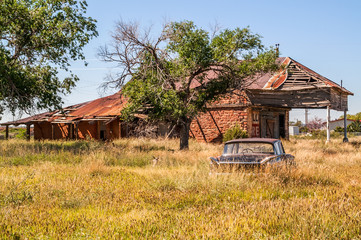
(234, 132)
(356, 117)
(339, 129)
(298, 123)
(175, 75)
(36, 38)
(354, 127)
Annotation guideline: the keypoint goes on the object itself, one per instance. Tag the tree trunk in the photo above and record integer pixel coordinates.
(184, 134)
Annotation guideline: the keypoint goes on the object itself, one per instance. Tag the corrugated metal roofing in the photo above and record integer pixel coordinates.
(109, 106)
(104, 108)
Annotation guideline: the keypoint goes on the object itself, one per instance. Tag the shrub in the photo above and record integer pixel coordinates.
(304, 129)
(339, 129)
(354, 127)
(21, 134)
(316, 124)
(234, 132)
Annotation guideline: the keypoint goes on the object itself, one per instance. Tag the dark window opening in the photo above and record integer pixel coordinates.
(282, 126)
(102, 135)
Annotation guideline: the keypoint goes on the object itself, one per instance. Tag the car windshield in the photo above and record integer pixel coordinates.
(248, 147)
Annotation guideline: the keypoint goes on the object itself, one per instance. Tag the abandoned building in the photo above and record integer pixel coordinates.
(98, 119)
(262, 109)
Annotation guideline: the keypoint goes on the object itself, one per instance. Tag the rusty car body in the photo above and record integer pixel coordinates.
(252, 152)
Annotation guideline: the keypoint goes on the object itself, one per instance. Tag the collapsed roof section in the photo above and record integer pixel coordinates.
(295, 76)
(105, 108)
(296, 86)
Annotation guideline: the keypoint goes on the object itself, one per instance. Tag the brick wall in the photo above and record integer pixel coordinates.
(220, 116)
(211, 125)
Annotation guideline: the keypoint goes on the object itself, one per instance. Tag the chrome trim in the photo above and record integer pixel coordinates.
(254, 163)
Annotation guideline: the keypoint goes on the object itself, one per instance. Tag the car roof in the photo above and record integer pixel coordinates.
(259, 140)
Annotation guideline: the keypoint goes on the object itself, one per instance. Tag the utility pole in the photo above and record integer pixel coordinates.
(306, 117)
(345, 139)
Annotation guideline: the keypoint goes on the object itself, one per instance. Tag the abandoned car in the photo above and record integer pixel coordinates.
(252, 152)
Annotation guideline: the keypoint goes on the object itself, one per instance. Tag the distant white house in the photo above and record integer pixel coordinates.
(294, 130)
(339, 123)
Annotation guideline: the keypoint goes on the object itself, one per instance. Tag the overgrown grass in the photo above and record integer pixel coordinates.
(137, 188)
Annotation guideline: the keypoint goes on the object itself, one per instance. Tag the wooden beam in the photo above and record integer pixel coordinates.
(328, 124)
(345, 139)
(71, 131)
(120, 129)
(7, 132)
(201, 129)
(76, 130)
(98, 130)
(28, 132)
(52, 131)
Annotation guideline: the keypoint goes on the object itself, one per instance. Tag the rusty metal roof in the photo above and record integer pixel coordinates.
(109, 106)
(102, 108)
(281, 77)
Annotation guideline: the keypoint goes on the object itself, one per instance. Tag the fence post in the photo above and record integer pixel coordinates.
(345, 139)
(328, 124)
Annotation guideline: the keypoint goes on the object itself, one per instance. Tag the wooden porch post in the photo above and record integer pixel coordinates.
(71, 131)
(328, 124)
(120, 129)
(52, 131)
(76, 130)
(7, 132)
(345, 139)
(98, 130)
(28, 132)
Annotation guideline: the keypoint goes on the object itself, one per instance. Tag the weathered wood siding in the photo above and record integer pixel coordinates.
(338, 100)
(42, 130)
(88, 129)
(308, 98)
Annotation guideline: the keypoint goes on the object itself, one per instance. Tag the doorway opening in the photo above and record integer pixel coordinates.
(282, 125)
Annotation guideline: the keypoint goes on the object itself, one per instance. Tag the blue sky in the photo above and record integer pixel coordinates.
(323, 35)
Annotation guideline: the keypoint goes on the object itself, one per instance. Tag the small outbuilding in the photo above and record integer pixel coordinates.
(294, 130)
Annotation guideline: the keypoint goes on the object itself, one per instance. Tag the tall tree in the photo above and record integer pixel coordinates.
(174, 76)
(356, 116)
(38, 37)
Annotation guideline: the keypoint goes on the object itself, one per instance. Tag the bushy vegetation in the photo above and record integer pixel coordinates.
(234, 132)
(16, 132)
(143, 189)
(353, 127)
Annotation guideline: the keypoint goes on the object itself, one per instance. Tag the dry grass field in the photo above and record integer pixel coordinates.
(94, 190)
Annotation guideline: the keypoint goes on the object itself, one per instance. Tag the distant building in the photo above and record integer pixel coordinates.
(339, 123)
(294, 130)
